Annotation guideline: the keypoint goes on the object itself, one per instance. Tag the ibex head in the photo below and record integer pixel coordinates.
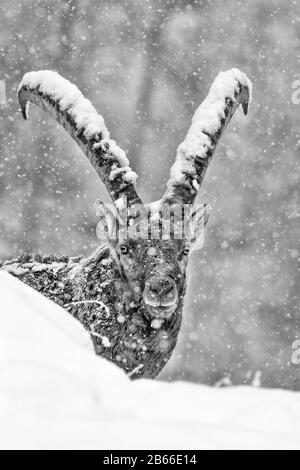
(149, 243)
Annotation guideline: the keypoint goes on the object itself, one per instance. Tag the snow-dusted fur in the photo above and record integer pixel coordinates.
(91, 290)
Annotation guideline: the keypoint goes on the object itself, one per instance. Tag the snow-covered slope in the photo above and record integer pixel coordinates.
(55, 393)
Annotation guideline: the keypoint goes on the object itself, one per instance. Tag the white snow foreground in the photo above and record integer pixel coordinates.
(55, 393)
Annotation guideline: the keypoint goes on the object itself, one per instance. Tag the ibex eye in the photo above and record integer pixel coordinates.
(123, 249)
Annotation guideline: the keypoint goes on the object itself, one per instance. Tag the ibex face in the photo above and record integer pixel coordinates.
(152, 253)
(155, 273)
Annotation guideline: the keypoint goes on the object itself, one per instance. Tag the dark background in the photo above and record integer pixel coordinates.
(146, 66)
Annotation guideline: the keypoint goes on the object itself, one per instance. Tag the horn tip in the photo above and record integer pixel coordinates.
(24, 110)
(24, 114)
(245, 105)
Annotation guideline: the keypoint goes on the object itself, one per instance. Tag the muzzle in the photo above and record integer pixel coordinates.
(160, 296)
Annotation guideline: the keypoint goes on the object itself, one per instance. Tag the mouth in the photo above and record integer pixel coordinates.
(160, 312)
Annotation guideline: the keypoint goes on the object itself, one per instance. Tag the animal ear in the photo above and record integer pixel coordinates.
(106, 226)
(195, 224)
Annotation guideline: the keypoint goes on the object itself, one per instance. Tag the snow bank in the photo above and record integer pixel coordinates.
(55, 393)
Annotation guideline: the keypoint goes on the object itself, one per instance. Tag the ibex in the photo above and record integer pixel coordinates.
(129, 293)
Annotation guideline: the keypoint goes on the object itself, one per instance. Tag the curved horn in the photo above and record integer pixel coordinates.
(65, 103)
(228, 91)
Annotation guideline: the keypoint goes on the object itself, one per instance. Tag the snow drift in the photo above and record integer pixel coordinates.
(55, 393)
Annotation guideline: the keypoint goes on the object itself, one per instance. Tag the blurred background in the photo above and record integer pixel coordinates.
(146, 66)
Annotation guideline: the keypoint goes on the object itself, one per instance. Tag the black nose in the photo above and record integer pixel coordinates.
(160, 293)
(161, 287)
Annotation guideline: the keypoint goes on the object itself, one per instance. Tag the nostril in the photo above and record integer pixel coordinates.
(152, 294)
(154, 288)
(168, 290)
(170, 293)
